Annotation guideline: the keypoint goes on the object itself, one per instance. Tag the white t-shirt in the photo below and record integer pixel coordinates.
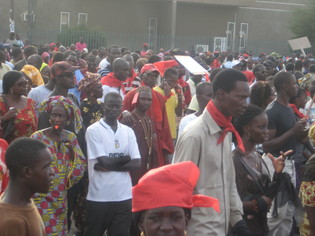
(103, 64)
(185, 121)
(111, 186)
(312, 111)
(39, 94)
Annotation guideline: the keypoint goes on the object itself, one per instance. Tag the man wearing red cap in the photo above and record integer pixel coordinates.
(207, 142)
(157, 112)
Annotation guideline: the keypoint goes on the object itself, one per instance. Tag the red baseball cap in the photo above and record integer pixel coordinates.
(148, 68)
(60, 67)
(170, 185)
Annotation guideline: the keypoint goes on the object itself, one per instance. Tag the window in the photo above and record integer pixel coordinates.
(243, 36)
(82, 18)
(230, 35)
(153, 24)
(64, 20)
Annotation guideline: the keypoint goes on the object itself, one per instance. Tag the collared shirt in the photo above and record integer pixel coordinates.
(198, 143)
(101, 140)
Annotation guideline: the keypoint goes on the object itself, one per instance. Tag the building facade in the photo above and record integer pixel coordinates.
(254, 25)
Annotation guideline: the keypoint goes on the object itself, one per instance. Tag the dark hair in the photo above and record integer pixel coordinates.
(256, 68)
(259, 93)
(298, 65)
(22, 152)
(16, 52)
(29, 51)
(2, 57)
(250, 113)
(298, 94)
(201, 87)
(154, 59)
(226, 80)
(9, 79)
(68, 53)
(289, 66)
(282, 78)
(112, 47)
(58, 56)
(214, 72)
(170, 71)
(111, 95)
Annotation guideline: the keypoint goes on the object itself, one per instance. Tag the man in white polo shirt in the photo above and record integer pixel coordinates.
(112, 153)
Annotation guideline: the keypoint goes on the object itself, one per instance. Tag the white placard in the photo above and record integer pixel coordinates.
(299, 43)
(191, 65)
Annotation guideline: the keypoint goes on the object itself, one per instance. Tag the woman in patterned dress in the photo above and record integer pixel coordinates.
(16, 110)
(68, 164)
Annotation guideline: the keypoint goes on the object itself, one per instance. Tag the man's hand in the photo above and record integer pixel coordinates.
(98, 167)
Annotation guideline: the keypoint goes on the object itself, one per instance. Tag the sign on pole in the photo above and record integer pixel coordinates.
(300, 44)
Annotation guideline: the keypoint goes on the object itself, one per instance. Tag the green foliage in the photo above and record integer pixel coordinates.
(93, 38)
(303, 22)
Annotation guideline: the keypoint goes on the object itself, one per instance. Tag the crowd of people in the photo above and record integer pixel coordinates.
(109, 141)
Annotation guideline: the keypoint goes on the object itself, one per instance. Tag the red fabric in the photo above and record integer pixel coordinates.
(249, 75)
(296, 111)
(3, 171)
(224, 122)
(170, 185)
(157, 114)
(111, 81)
(162, 66)
(129, 80)
(215, 64)
(186, 90)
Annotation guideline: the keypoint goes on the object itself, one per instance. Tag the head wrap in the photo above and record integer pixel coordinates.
(72, 110)
(305, 82)
(170, 185)
(89, 82)
(34, 74)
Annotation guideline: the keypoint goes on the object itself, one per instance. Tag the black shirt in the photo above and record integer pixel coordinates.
(281, 118)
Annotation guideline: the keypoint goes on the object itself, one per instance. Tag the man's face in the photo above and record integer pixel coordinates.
(171, 80)
(292, 87)
(150, 78)
(66, 80)
(234, 102)
(113, 54)
(122, 71)
(112, 108)
(144, 100)
(149, 54)
(205, 96)
(261, 73)
(164, 221)
(41, 173)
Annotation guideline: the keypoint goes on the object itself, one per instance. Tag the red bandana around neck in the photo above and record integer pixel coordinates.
(296, 111)
(225, 123)
(111, 81)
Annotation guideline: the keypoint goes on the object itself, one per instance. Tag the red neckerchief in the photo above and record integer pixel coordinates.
(225, 123)
(296, 111)
(111, 81)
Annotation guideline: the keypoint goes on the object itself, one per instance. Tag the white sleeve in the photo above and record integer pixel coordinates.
(95, 147)
(133, 145)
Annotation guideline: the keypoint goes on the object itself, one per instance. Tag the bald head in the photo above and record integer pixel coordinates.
(35, 60)
(121, 68)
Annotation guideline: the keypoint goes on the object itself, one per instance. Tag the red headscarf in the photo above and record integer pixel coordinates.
(170, 185)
